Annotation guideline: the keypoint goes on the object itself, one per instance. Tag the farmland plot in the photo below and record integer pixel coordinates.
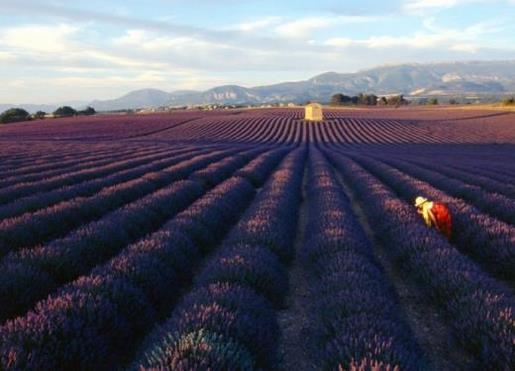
(252, 239)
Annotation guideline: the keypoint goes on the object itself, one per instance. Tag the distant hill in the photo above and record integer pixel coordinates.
(419, 79)
(134, 99)
(457, 78)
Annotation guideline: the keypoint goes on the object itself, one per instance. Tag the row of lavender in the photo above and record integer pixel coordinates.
(472, 174)
(483, 176)
(99, 127)
(339, 127)
(491, 202)
(478, 308)
(486, 239)
(63, 259)
(40, 226)
(32, 171)
(227, 321)
(23, 157)
(281, 129)
(98, 319)
(87, 188)
(79, 173)
(356, 318)
(78, 161)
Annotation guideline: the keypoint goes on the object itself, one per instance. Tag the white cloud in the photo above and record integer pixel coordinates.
(37, 38)
(118, 53)
(304, 27)
(340, 42)
(416, 41)
(466, 48)
(256, 25)
(156, 42)
(121, 61)
(432, 36)
(140, 79)
(385, 42)
(423, 5)
(5, 56)
(60, 46)
(428, 4)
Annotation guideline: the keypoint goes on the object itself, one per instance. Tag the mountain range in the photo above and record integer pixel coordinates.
(417, 80)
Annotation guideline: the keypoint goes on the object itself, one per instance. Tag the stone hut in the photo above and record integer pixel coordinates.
(314, 112)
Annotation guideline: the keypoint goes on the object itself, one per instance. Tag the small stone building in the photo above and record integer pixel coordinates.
(314, 112)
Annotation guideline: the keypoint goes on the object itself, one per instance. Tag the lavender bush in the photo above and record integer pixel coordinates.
(89, 187)
(33, 228)
(76, 254)
(478, 308)
(355, 314)
(156, 267)
(272, 221)
(241, 325)
(486, 239)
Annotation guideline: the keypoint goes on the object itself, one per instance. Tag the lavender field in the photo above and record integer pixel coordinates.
(255, 240)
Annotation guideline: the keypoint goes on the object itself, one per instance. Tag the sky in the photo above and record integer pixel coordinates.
(61, 51)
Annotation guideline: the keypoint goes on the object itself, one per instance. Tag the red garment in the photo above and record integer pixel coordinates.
(442, 217)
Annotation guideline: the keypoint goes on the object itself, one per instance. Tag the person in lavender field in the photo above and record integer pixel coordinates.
(435, 214)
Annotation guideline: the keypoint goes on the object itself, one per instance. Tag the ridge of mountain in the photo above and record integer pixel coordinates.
(412, 79)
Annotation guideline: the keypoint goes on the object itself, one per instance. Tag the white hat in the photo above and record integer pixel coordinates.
(419, 201)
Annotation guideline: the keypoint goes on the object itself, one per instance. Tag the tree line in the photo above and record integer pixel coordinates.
(367, 100)
(19, 114)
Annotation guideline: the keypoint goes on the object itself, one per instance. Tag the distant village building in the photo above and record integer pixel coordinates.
(314, 112)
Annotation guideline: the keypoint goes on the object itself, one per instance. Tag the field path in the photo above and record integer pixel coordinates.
(294, 319)
(429, 329)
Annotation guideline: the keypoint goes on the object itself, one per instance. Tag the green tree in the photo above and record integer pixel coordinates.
(397, 100)
(39, 115)
(509, 101)
(87, 112)
(14, 115)
(340, 99)
(432, 101)
(361, 98)
(337, 100)
(65, 111)
(370, 99)
(382, 101)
